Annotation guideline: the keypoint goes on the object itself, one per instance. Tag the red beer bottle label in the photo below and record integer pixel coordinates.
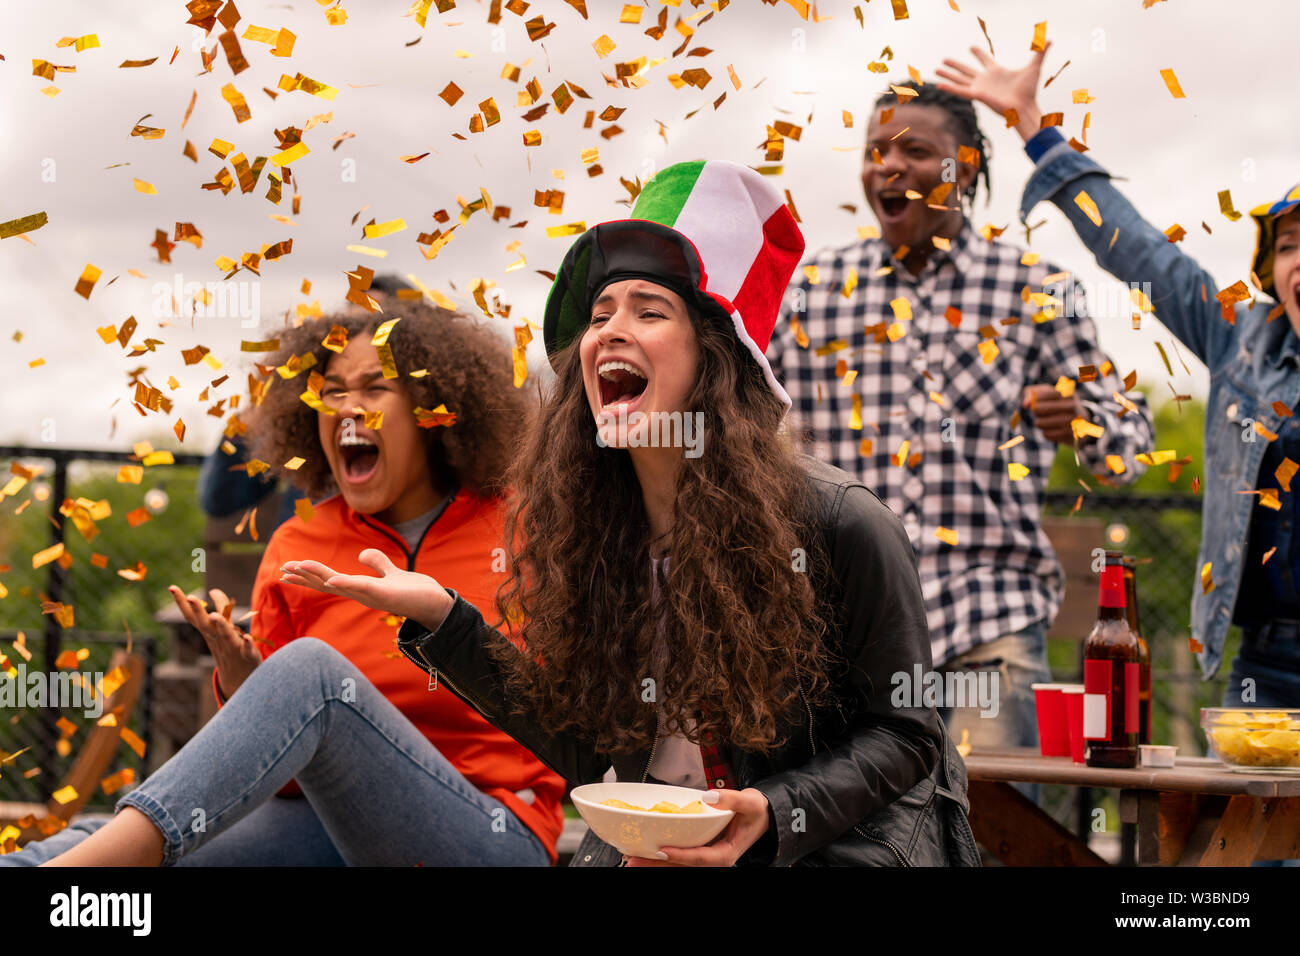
(1132, 683)
(1096, 699)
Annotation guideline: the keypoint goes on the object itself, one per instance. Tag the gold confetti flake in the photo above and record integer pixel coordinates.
(1270, 435)
(237, 103)
(303, 509)
(434, 418)
(379, 230)
(1268, 554)
(1083, 428)
(307, 85)
(116, 781)
(18, 227)
(855, 415)
(1207, 580)
(1085, 202)
(65, 795)
(830, 348)
(902, 309)
(800, 336)
(1011, 443)
(1225, 206)
(134, 742)
(947, 536)
(1171, 81)
(89, 276)
(1116, 464)
(1065, 386)
(850, 283)
(1162, 457)
(1016, 471)
(900, 457)
(380, 341)
(568, 229)
(988, 350)
(1040, 37)
(287, 156)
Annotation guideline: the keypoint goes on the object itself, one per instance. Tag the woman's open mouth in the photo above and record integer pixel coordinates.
(358, 458)
(620, 383)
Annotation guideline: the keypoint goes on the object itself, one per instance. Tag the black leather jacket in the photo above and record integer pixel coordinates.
(863, 782)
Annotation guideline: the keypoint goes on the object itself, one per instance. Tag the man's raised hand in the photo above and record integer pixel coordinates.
(997, 87)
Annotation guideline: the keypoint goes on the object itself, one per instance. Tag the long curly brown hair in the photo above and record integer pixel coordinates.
(743, 631)
(469, 370)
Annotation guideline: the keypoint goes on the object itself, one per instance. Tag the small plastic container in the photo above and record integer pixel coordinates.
(1157, 755)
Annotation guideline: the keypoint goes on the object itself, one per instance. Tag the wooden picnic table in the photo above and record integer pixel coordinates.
(1196, 813)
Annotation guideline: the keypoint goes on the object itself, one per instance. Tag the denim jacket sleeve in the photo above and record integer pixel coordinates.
(1134, 251)
(457, 653)
(887, 746)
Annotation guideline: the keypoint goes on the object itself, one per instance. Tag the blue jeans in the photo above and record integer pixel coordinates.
(1269, 656)
(379, 793)
(281, 832)
(1018, 660)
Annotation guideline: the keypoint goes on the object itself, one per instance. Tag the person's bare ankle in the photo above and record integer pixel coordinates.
(129, 839)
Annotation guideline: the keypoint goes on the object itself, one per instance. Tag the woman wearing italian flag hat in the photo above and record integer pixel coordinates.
(697, 603)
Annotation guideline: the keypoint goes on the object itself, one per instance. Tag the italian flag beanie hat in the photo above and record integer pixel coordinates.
(716, 233)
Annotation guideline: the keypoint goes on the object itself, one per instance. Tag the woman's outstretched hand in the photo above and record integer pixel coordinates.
(999, 88)
(232, 649)
(405, 593)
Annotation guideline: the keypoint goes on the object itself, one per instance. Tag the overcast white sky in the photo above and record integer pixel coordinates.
(1233, 131)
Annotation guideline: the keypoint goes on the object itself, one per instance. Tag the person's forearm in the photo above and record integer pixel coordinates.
(1030, 120)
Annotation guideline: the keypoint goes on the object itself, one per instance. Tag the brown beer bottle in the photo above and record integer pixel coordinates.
(1111, 677)
(1144, 651)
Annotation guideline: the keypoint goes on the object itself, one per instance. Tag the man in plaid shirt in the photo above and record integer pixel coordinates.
(958, 344)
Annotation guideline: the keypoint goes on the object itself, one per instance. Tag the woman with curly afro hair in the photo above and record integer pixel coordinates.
(402, 445)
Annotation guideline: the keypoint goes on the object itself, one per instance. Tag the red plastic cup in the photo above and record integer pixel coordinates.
(1073, 695)
(1053, 732)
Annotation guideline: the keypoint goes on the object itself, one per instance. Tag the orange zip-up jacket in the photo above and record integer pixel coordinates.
(458, 550)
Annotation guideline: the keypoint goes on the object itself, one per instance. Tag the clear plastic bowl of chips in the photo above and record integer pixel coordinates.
(1254, 738)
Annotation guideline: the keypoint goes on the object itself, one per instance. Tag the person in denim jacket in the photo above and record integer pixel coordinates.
(1248, 550)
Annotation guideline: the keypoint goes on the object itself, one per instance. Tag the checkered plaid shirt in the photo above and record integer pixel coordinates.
(952, 405)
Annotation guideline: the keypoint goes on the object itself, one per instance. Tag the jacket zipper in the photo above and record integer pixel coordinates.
(654, 745)
(811, 742)
(897, 853)
(433, 680)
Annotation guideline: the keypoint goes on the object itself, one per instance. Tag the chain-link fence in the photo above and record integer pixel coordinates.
(89, 542)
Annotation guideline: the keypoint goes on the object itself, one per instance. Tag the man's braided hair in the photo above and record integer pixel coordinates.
(961, 118)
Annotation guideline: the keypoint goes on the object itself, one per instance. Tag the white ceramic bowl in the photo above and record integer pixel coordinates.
(642, 832)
